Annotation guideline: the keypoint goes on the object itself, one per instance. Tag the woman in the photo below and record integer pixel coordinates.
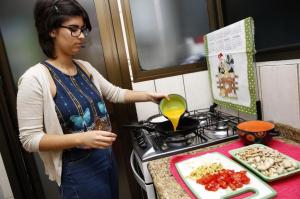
(61, 112)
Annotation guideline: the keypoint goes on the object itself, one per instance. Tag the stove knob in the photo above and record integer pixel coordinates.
(141, 142)
(140, 139)
(139, 136)
(138, 133)
(143, 145)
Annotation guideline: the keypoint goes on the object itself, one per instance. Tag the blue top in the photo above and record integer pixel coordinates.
(78, 103)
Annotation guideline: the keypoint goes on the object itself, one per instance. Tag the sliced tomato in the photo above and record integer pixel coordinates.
(223, 184)
(224, 179)
(205, 179)
(245, 179)
(238, 184)
(232, 186)
(212, 186)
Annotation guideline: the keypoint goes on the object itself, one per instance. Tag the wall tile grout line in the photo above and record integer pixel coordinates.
(260, 92)
(184, 90)
(279, 62)
(154, 82)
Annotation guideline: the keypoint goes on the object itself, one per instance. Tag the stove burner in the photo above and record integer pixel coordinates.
(216, 134)
(219, 129)
(221, 125)
(202, 117)
(179, 140)
(202, 122)
(213, 127)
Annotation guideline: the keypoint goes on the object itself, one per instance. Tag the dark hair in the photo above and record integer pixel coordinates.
(50, 14)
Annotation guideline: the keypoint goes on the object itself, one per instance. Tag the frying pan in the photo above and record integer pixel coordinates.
(186, 125)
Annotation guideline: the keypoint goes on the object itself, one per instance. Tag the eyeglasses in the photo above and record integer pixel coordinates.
(76, 31)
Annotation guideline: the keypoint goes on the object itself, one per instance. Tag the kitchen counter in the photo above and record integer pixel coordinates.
(167, 187)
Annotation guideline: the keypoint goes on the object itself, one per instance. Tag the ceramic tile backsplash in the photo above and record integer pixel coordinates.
(278, 88)
(170, 85)
(247, 116)
(229, 111)
(280, 94)
(145, 109)
(197, 89)
(234, 112)
(194, 87)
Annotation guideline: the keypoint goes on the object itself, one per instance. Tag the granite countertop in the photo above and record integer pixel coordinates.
(167, 187)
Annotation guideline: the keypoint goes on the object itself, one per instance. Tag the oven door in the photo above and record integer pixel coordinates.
(140, 170)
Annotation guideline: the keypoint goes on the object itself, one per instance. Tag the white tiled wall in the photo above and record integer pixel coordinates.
(279, 84)
(170, 85)
(198, 91)
(278, 90)
(145, 109)
(5, 189)
(195, 87)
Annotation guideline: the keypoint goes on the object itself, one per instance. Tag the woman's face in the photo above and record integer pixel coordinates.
(68, 39)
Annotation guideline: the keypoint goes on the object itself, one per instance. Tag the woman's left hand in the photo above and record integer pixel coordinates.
(156, 97)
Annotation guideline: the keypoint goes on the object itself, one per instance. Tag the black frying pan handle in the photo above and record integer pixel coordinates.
(137, 126)
(133, 126)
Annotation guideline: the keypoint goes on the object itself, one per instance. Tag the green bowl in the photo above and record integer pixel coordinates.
(176, 101)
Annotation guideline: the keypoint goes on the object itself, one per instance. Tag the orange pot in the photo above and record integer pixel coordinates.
(256, 131)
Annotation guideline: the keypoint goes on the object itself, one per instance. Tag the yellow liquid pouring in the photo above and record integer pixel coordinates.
(174, 115)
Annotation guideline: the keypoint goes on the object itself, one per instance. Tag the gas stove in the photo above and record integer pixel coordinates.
(213, 127)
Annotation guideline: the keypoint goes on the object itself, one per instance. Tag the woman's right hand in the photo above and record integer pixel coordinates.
(97, 139)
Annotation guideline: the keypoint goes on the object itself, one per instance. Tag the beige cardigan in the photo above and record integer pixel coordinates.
(37, 115)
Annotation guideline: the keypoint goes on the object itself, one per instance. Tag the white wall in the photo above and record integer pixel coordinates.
(194, 87)
(278, 89)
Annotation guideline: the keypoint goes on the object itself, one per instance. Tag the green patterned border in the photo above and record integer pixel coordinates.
(250, 48)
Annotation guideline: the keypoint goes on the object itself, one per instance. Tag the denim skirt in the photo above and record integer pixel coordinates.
(89, 174)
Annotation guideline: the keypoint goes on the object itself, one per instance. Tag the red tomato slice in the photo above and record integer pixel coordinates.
(223, 179)
(213, 186)
(223, 184)
(232, 186)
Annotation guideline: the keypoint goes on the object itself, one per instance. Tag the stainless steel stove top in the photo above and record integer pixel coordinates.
(214, 127)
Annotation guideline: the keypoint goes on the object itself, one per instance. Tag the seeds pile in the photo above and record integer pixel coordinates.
(269, 162)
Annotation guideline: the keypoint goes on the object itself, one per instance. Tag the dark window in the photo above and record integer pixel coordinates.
(165, 37)
(277, 33)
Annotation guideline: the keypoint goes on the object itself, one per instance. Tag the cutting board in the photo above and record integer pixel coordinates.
(256, 185)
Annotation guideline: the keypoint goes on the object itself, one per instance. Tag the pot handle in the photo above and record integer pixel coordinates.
(274, 133)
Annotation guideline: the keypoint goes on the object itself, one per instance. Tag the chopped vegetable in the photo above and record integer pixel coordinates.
(205, 170)
(223, 179)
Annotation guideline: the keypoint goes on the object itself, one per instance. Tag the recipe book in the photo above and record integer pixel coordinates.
(230, 60)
